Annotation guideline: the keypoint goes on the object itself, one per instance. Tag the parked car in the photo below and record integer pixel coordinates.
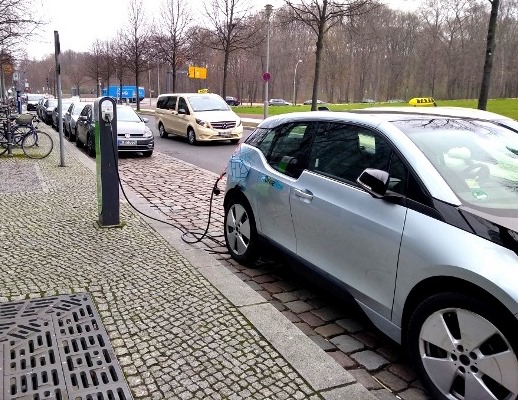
(132, 133)
(197, 116)
(232, 101)
(413, 212)
(71, 116)
(55, 115)
(279, 102)
(32, 101)
(309, 102)
(39, 106)
(46, 110)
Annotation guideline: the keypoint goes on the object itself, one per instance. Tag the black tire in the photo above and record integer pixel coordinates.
(37, 144)
(161, 130)
(462, 346)
(90, 145)
(191, 136)
(234, 141)
(72, 136)
(240, 231)
(65, 132)
(3, 143)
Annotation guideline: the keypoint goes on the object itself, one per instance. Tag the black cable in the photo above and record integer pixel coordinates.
(181, 228)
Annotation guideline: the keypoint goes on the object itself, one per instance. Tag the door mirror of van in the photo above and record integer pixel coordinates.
(182, 111)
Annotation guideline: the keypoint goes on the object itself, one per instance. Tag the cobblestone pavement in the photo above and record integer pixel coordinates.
(174, 333)
(181, 192)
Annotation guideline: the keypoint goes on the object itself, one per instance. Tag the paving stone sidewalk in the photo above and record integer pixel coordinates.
(182, 326)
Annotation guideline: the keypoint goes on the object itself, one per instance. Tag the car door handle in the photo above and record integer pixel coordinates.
(303, 194)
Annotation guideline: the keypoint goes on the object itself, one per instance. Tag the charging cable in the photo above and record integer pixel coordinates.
(198, 236)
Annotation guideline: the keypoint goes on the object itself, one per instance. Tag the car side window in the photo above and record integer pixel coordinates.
(344, 151)
(171, 103)
(288, 148)
(182, 104)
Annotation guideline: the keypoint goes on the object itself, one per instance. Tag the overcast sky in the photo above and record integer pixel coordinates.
(80, 23)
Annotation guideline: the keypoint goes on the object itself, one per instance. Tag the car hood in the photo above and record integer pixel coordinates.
(497, 229)
(212, 116)
(130, 127)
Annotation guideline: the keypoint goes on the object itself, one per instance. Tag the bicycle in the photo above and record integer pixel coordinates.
(19, 131)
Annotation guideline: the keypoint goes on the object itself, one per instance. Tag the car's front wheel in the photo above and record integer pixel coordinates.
(161, 130)
(240, 231)
(90, 145)
(191, 136)
(464, 348)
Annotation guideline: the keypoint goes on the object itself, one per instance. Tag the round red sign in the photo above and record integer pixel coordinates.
(266, 76)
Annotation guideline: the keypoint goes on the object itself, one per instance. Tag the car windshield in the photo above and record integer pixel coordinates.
(208, 103)
(127, 114)
(78, 108)
(52, 103)
(478, 159)
(34, 97)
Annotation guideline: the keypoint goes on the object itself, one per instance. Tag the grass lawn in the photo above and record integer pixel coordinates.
(507, 107)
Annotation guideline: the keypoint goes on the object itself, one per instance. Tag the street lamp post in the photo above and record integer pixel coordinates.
(294, 80)
(268, 12)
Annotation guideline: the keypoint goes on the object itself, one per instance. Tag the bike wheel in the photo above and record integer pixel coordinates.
(37, 144)
(3, 143)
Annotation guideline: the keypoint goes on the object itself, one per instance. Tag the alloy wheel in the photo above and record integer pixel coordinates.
(237, 226)
(466, 356)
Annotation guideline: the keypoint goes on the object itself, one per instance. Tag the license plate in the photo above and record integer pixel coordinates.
(225, 133)
(127, 142)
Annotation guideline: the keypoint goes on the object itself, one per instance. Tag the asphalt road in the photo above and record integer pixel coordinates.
(210, 156)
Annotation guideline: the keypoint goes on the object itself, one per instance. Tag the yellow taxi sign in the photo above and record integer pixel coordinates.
(422, 101)
(203, 90)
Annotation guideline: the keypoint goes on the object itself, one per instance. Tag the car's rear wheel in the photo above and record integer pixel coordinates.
(464, 348)
(240, 231)
(191, 136)
(161, 130)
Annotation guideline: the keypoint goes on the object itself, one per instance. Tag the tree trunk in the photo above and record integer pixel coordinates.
(225, 73)
(488, 64)
(136, 88)
(318, 56)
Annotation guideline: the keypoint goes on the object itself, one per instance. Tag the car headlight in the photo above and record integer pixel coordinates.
(202, 123)
(148, 133)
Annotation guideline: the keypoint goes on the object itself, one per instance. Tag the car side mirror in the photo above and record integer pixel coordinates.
(182, 111)
(145, 120)
(83, 118)
(374, 181)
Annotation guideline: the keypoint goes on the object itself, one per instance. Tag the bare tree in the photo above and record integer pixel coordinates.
(320, 16)
(93, 64)
(136, 43)
(170, 35)
(120, 62)
(490, 47)
(74, 68)
(231, 28)
(18, 22)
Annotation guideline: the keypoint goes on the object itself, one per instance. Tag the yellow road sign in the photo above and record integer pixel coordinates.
(197, 72)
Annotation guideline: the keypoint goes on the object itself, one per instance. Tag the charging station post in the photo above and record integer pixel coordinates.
(105, 117)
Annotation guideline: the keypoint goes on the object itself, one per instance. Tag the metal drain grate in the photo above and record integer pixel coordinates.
(56, 348)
